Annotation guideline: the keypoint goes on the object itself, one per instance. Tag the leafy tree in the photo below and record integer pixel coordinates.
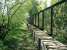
(18, 37)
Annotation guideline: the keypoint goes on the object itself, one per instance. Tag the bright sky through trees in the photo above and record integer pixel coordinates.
(43, 4)
(48, 2)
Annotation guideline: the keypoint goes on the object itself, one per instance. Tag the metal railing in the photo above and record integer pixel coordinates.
(52, 19)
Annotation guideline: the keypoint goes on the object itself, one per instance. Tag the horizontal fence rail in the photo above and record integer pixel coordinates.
(52, 19)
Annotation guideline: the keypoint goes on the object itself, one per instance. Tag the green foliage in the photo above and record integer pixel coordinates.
(18, 37)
